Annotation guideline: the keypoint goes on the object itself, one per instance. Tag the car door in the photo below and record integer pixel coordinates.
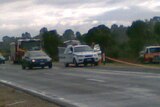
(68, 55)
(25, 59)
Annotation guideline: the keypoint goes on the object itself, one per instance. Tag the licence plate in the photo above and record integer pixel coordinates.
(41, 63)
(89, 59)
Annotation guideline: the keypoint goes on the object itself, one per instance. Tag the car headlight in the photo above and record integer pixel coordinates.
(33, 60)
(95, 55)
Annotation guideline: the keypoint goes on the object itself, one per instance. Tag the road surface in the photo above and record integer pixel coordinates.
(89, 86)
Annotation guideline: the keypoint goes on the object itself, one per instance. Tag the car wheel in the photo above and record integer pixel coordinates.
(30, 67)
(75, 62)
(85, 64)
(50, 66)
(96, 64)
(42, 67)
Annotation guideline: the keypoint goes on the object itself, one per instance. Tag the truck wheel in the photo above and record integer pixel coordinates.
(85, 64)
(23, 67)
(75, 62)
(50, 66)
(96, 64)
(42, 67)
(66, 65)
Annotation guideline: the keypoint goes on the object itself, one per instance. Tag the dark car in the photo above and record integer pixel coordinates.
(2, 59)
(36, 59)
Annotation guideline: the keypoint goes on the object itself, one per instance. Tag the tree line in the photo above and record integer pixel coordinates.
(117, 41)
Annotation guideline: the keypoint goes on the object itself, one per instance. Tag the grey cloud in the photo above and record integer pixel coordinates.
(115, 1)
(120, 15)
(157, 8)
(7, 1)
(65, 3)
(128, 15)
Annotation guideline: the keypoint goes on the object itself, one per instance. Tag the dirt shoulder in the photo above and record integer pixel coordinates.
(10, 97)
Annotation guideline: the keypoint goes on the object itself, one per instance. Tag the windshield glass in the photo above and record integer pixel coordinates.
(153, 50)
(30, 45)
(83, 49)
(37, 54)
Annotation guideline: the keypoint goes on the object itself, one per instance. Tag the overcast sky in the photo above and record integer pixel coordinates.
(18, 16)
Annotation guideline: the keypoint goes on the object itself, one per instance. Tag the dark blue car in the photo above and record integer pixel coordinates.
(36, 59)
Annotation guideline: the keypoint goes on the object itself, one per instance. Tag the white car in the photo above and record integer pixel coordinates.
(80, 54)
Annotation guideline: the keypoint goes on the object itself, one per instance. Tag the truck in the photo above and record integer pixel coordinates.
(78, 54)
(18, 48)
(150, 54)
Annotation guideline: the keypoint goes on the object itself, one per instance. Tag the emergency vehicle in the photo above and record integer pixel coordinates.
(151, 54)
(18, 48)
(79, 54)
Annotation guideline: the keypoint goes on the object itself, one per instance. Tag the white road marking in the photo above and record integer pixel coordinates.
(16, 103)
(96, 80)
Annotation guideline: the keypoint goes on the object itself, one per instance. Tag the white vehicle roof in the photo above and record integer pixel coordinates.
(153, 47)
(80, 45)
(20, 40)
(71, 42)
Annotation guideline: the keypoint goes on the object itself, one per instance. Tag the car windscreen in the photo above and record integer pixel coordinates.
(153, 50)
(37, 54)
(31, 45)
(83, 49)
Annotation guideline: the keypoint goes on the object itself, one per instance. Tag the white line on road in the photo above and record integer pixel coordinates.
(96, 80)
(16, 103)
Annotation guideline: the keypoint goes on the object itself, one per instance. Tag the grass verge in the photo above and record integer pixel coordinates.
(10, 97)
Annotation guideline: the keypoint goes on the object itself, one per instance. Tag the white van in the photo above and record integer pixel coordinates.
(79, 54)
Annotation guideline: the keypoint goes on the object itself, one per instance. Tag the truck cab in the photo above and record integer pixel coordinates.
(18, 48)
(151, 54)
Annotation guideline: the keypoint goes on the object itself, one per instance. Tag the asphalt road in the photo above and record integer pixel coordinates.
(89, 86)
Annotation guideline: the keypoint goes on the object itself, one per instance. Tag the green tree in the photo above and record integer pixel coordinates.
(101, 35)
(68, 35)
(80, 37)
(51, 42)
(139, 35)
(119, 33)
(157, 31)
